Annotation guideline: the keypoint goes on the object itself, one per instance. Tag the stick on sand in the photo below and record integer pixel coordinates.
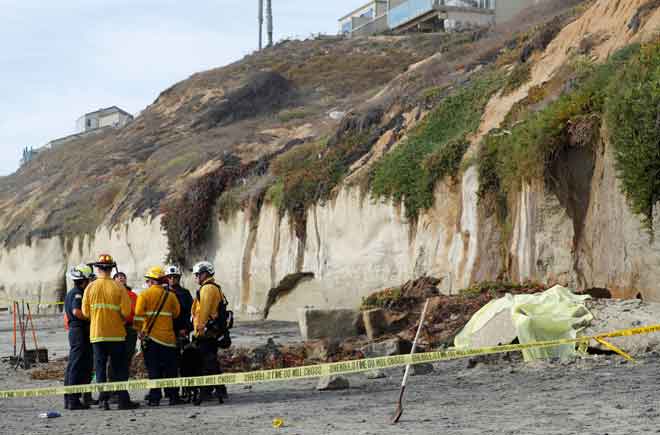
(399, 408)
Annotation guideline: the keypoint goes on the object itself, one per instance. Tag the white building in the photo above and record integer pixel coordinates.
(108, 117)
(362, 16)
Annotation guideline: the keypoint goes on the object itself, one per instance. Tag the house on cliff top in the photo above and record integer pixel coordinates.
(108, 117)
(401, 16)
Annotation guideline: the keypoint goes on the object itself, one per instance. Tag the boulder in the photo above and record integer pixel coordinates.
(375, 374)
(421, 369)
(316, 323)
(329, 383)
(374, 322)
(321, 349)
(392, 346)
(614, 314)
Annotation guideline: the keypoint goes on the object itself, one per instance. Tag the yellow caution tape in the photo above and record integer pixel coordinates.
(313, 371)
(31, 302)
(612, 347)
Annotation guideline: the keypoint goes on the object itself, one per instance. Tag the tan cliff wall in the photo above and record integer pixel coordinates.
(356, 245)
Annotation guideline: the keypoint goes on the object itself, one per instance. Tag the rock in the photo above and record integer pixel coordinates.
(396, 321)
(375, 374)
(329, 383)
(337, 115)
(316, 323)
(392, 346)
(321, 349)
(421, 369)
(614, 314)
(374, 322)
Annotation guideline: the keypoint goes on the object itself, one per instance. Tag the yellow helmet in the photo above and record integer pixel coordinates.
(155, 272)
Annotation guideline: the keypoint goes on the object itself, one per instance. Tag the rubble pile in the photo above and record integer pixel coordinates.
(400, 309)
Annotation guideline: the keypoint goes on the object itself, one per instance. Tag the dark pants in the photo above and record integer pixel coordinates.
(116, 352)
(81, 360)
(209, 350)
(161, 362)
(131, 343)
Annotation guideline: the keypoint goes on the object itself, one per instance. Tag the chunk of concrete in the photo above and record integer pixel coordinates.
(329, 383)
(316, 323)
(374, 322)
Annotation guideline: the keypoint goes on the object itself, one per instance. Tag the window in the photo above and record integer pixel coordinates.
(368, 14)
(89, 123)
(346, 27)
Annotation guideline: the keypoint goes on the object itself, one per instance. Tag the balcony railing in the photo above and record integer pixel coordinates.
(407, 11)
(414, 8)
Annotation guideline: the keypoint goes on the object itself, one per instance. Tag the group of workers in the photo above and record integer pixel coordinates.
(105, 318)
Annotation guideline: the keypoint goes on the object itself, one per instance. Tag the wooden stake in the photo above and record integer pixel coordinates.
(399, 407)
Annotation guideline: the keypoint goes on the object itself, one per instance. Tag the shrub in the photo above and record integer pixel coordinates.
(435, 149)
(520, 74)
(187, 218)
(633, 116)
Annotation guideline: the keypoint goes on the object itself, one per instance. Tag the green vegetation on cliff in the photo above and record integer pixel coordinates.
(633, 118)
(435, 148)
(526, 150)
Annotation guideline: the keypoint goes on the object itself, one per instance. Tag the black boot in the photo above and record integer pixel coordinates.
(127, 404)
(66, 401)
(87, 399)
(75, 404)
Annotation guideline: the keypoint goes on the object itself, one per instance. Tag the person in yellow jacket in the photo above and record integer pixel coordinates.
(204, 309)
(107, 306)
(159, 307)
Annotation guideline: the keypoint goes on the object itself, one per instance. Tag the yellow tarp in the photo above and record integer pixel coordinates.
(553, 314)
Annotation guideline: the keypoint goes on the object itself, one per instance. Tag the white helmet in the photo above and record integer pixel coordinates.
(80, 272)
(172, 270)
(203, 266)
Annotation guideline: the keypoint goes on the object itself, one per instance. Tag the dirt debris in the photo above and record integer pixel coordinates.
(447, 315)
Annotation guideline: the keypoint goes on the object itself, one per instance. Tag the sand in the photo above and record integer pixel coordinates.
(596, 395)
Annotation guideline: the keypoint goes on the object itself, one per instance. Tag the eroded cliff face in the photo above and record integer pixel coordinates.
(356, 245)
(573, 228)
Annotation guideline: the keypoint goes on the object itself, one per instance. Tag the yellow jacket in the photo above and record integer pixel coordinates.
(147, 305)
(106, 305)
(205, 305)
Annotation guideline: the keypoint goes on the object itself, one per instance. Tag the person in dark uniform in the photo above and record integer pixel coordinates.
(81, 360)
(182, 324)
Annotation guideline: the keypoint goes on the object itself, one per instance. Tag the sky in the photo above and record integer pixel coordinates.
(61, 59)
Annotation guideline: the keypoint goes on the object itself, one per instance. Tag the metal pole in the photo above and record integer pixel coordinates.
(14, 308)
(34, 332)
(269, 21)
(261, 23)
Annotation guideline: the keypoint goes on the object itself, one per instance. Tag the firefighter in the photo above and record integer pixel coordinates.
(107, 306)
(81, 360)
(204, 310)
(159, 307)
